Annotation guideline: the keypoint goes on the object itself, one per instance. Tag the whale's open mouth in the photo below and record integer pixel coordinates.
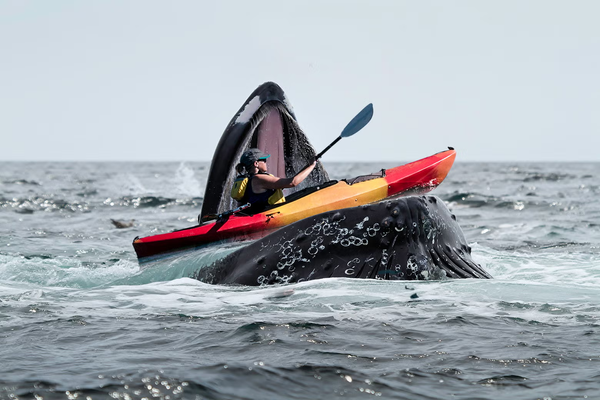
(276, 132)
(266, 121)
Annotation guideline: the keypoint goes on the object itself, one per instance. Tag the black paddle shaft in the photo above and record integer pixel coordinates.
(328, 147)
(358, 122)
(321, 153)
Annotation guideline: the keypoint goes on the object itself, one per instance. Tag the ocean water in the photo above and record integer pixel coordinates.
(79, 318)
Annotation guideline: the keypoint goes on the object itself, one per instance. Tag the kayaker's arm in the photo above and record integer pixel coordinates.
(273, 182)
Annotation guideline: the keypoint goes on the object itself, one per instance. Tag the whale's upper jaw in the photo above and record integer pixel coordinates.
(266, 120)
(267, 92)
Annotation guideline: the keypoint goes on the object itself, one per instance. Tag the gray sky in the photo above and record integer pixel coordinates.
(155, 80)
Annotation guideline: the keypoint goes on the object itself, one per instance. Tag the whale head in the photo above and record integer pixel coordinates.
(267, 121)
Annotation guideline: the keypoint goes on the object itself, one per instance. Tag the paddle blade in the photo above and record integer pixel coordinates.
(358, 122)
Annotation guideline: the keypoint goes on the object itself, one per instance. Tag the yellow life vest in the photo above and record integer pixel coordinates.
(277, 197)
(238, 190)
(239, 187)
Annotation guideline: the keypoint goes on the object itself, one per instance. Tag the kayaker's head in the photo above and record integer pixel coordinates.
(254, 159)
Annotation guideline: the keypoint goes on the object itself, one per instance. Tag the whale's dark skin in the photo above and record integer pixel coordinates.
(410, 238)
(266, 120)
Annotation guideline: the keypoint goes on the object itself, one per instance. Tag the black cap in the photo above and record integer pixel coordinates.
(252, 155)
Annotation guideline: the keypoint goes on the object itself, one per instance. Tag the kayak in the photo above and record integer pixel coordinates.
(417, 177)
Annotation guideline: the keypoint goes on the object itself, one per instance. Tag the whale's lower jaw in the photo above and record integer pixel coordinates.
(412, 238)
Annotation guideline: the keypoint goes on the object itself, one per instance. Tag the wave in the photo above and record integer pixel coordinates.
(74, 272)
(62, 271)
(530, 201)
(29, 205)
(478, 200)
(546, 176)
(519, 290)
(22, 182)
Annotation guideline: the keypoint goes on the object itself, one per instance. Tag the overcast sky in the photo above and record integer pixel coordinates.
(158, 80)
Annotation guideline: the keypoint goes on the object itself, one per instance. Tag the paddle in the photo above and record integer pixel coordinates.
(358, 122)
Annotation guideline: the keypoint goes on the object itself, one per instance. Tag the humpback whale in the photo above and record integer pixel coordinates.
(267, 121)
(410, 238)
(357, 228)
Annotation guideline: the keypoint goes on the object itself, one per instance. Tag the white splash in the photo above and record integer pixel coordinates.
(130, 183)
(188, 184)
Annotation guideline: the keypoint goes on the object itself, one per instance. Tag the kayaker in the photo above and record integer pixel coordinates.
(261, 188)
